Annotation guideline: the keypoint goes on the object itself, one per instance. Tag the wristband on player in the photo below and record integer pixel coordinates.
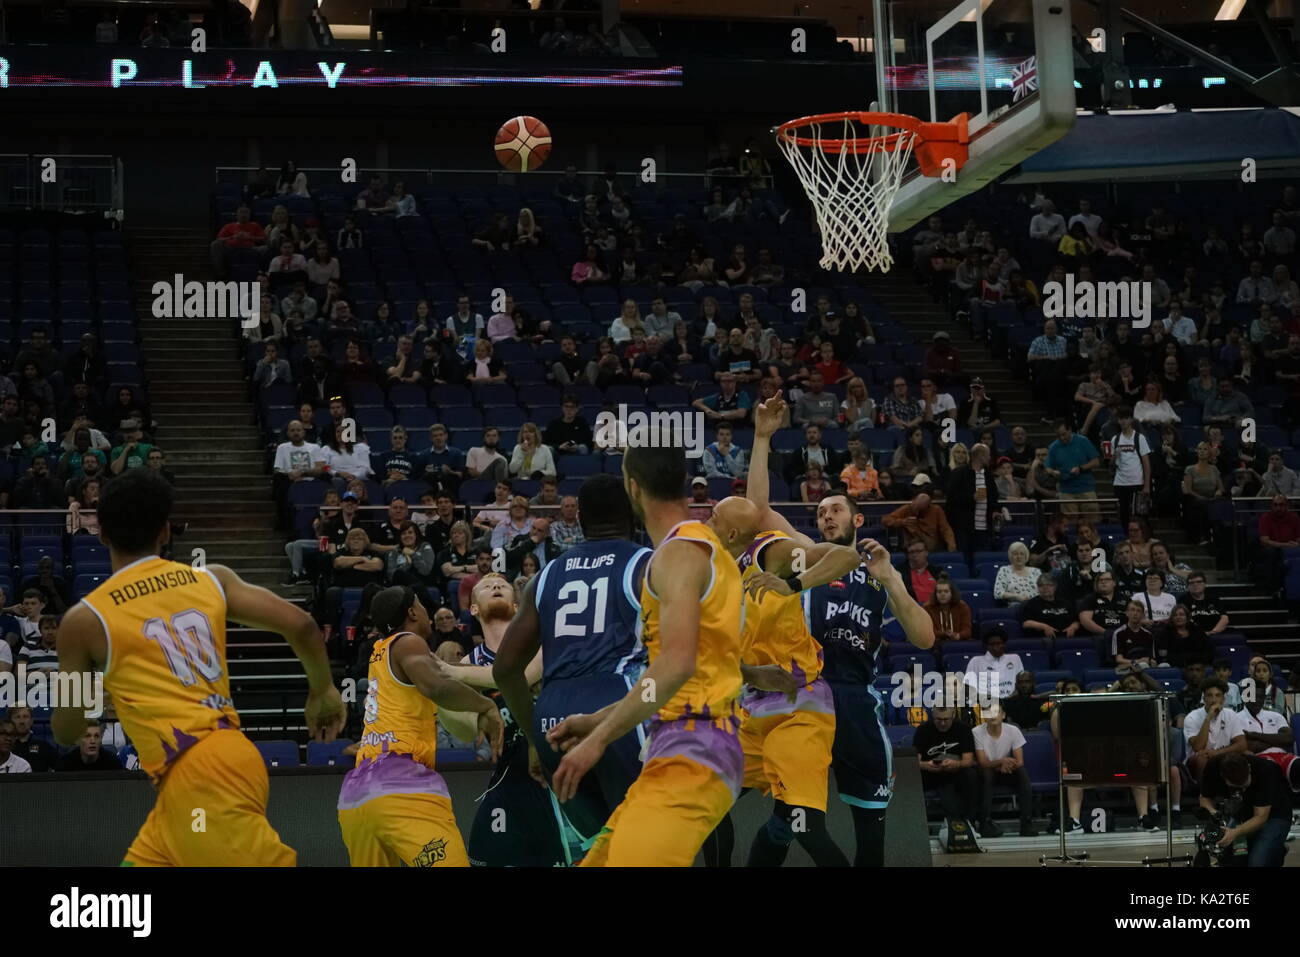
(794, 584)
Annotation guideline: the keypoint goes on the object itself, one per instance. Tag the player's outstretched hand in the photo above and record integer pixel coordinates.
(762, 583)
(491, 726)
(325, 714)
(571, 730)
(768, 416)
(877, 558)
(573, 766)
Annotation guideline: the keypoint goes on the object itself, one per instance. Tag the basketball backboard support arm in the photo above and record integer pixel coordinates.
(1008, 138)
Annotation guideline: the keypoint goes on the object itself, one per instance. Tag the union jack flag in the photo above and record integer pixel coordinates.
(1024, 79)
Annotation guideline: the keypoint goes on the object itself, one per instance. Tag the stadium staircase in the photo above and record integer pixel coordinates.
(205, 424)
(1266, 625)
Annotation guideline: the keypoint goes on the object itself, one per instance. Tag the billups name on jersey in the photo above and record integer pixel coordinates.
(153, 584)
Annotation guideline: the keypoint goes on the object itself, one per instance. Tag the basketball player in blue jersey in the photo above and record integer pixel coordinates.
(846, 616)
(583, 612)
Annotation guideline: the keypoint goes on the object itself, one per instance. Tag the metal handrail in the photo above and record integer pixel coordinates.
(502, 176)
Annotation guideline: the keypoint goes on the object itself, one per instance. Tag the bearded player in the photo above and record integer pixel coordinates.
(394, 807)
(157, 630)
(845, 617)
(692, 607)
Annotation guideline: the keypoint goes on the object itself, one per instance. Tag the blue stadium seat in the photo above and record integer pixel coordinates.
(282, 754)
(329, 753)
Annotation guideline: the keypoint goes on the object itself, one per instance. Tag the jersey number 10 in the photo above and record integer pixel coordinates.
(580, 592)
(188, 645)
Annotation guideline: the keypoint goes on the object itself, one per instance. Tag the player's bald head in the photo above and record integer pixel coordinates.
(735, 520)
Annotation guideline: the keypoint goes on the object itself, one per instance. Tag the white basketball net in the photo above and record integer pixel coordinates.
(851, 192)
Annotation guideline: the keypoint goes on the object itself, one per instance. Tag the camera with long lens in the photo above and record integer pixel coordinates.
(1210, 829)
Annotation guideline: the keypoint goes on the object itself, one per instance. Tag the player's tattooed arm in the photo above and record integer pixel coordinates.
(82, 648)
(412, 660)
(916, 621)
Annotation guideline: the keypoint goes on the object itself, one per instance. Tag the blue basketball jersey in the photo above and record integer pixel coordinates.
(589, 610)
(846, 616)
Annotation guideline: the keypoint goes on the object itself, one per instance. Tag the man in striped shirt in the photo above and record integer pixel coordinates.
(43, 656)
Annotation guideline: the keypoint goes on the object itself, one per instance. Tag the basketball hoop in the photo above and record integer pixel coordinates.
(852, 164)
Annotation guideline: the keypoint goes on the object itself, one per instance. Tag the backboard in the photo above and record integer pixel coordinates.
(1009, 64)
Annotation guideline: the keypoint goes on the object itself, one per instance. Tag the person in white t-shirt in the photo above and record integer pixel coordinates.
(6, 657)
(1000, 755)
(11, 763)
(1131, 458)
(1091, 221)
(1002, 667)
(1212, 729)
(1159, 604)
(1268, 733)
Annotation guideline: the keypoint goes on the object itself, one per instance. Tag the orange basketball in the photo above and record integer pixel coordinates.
(523, 143)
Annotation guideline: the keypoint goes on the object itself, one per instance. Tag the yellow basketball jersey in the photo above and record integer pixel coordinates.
(398, 718)
(711, 692)
(776, 631)
(165, 623)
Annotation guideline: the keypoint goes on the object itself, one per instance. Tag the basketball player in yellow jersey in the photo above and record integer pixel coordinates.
(789, 715)
(691, 610)
(394, 808)
(157, 629)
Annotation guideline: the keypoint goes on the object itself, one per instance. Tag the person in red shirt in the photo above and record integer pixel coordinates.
(832, 369)
(919, 576)
(243, 233)
(1279, 529)
(942, 362)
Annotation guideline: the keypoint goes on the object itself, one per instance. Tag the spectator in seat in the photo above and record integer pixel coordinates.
(1213, 729)
(483, 565)
(405, 369)
(920, 520)
(87, 364)
(299, 549)
(43, 654)
(1279, 529)
(271, 368)
(536, 542)
(859, 477)
(1279, 239)
(951, 616)
(38, 488)
(81, 510)
(1179, 640)
(37, 752)
(486, 461)
(518, 521)
(412, 563)
(570, 434)
(722, 459)
(729, 404)
(133, 452)
(437, 525)
(736, 360)
(75, 464)
(457, 560)
(813, 453)
(1156, 602)
(1024, 709)
(322, 267)
(52, 587)
(589, 270)
(243, 233)
(1000, 667)
(355, 565)
(1046, 615)
(356, 367)
(33, 387)
(1132, 645)
(1017, 581)
(1278, 479)
(484, 368)
(1047, 225)
(912, 457)
(447, 631)
(942, 362)
(1228, 407)
(289, 262)
(1000, 756)
(981, 410)
(89, 754)
(531, 458)
(1205, 611)
(464, 324)
(899, 409)
(946, 752)
(566, 530)
(387, 535)
(346, 460)
(1223, 671)
(443, 465)
(816, 406)
(1102, 611)
(569, 367)
(1267, 693)
(858, 410)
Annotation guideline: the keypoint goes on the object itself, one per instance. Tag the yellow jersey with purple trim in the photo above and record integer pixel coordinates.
(711, 692)
(165, 625)
(398, 718)
(776, 631)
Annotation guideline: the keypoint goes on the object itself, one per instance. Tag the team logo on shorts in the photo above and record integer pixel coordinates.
(432, 853)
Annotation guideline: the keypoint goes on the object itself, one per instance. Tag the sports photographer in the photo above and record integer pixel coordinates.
(1255, 802)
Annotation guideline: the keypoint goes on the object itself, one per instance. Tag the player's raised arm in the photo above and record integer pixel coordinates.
(767, 419)
(521, 645)
(256, 607)
(679, 573)
(411, 655)
(81, 645)
(916, 621)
